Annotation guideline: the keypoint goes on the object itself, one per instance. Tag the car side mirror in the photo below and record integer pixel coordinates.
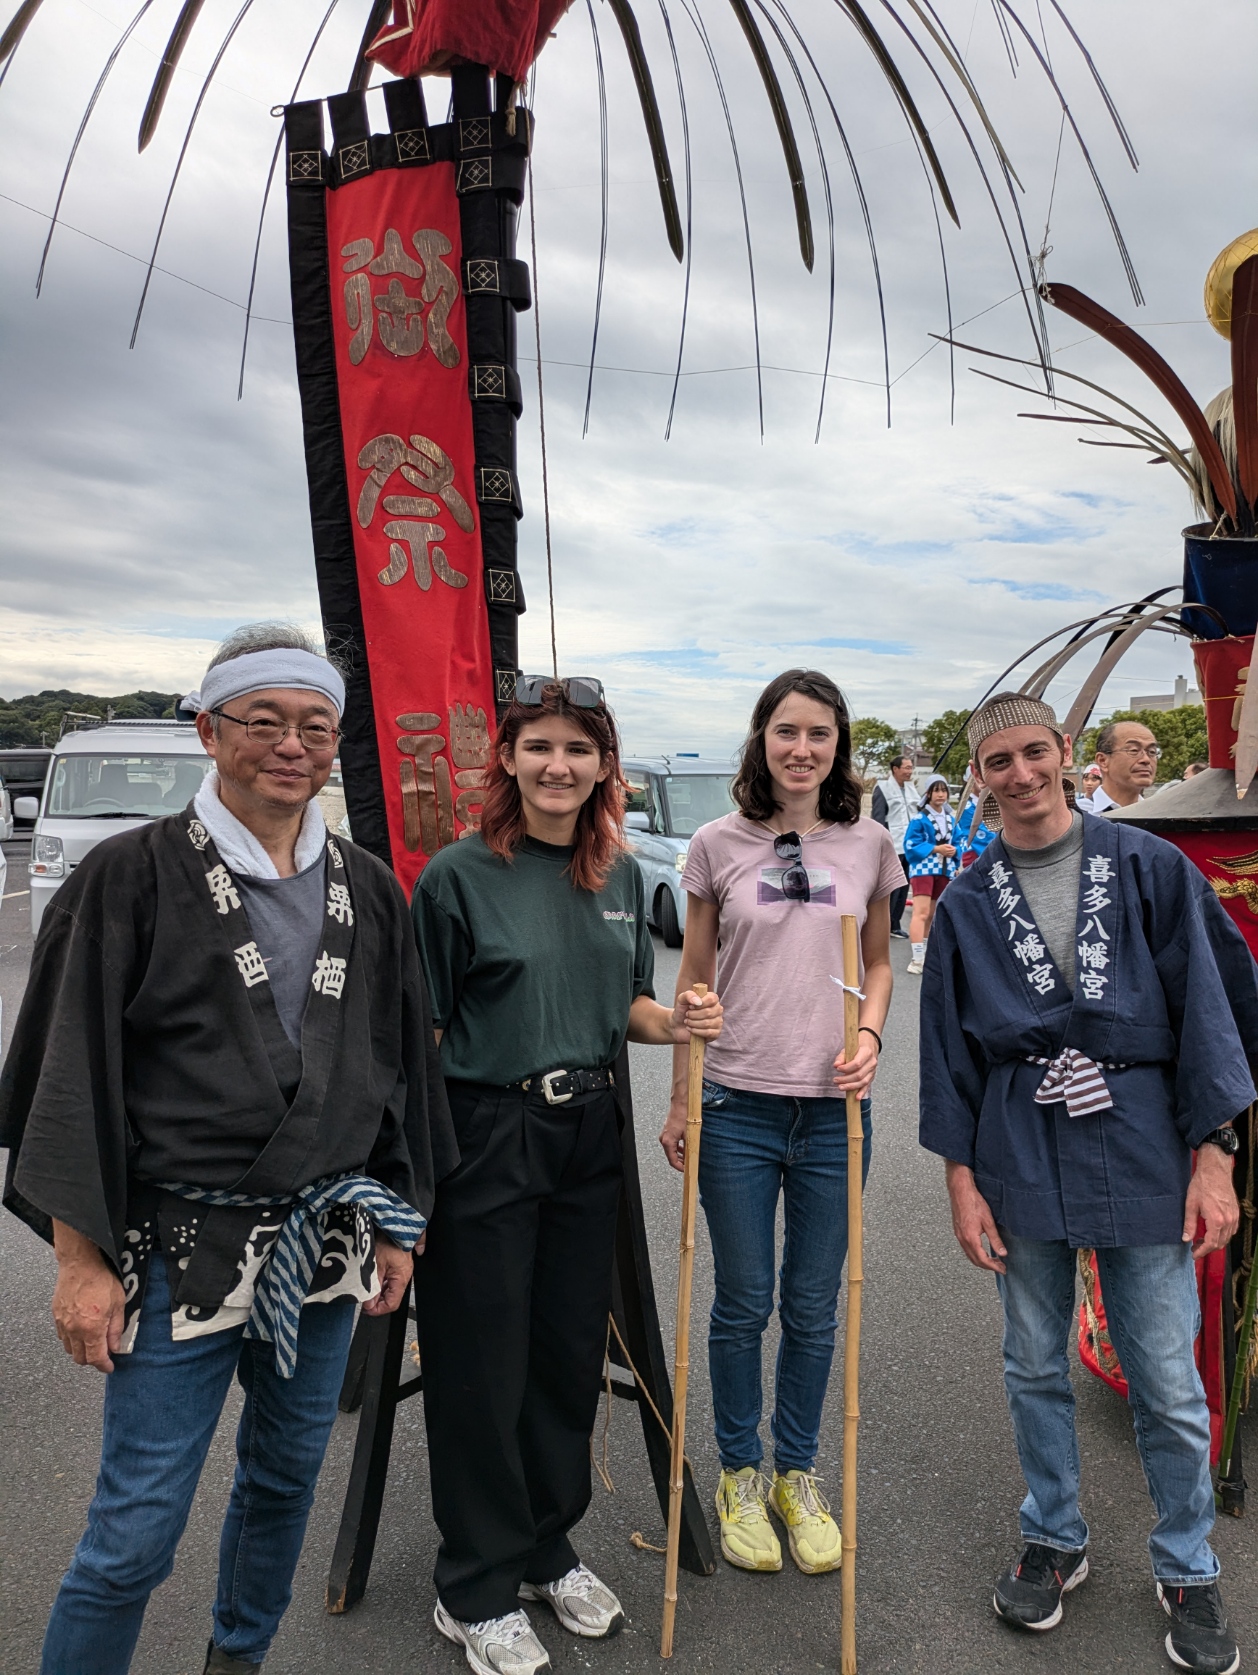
(637, 822)
(26, 808)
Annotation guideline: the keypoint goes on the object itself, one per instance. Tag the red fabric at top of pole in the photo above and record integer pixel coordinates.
(428, 35)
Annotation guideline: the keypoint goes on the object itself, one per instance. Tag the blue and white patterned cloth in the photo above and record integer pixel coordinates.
(285, 1278)
(925, 831)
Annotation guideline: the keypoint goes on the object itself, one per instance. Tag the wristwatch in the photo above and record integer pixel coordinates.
(1226, 1139)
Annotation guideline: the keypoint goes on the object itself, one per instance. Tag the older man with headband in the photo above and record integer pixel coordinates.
(223, 1107)
(1085, 1010)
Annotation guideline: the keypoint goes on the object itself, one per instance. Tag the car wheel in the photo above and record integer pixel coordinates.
(666, 919)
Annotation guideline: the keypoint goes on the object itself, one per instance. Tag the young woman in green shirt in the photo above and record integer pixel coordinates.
(534, 941)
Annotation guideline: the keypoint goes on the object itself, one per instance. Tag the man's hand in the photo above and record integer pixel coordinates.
(394, 1267)
(692, 1016)
(858, 1076)
(972, 1220)
(673, 1134)
(1212, 1200)
(87, 1302)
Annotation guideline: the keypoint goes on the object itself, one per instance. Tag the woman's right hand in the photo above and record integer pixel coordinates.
(673, 1135)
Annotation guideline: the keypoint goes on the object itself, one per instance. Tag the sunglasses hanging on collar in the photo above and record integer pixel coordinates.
(789, 847)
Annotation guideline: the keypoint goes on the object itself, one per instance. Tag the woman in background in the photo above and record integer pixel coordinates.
(931, 852)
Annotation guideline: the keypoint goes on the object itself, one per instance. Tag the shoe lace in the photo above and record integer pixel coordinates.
(580, 1581)
(811, 1500)
(507, 1629)
(749, 1494)
(1201, 1606)
(1038, 1564)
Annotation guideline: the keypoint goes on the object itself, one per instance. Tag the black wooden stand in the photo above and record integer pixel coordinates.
(374, 1385)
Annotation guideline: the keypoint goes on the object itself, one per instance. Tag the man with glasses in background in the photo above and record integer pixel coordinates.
(223, 1107)
(1127, 755)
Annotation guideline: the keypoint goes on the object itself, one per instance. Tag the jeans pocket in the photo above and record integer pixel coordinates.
(715, 1094)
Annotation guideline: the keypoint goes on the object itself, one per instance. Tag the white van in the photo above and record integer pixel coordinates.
(102, 781)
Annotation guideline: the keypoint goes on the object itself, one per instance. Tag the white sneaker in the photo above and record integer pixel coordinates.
(583, 1604)
(915, 968)
(500, 1646)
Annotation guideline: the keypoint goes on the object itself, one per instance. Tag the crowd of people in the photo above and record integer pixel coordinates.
(253, 1090)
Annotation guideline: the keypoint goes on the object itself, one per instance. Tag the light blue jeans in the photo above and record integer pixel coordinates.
(162, 1404)
(1151, 1304)
(755, 1149)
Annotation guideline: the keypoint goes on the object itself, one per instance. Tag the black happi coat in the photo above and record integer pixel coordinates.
(148, 1048)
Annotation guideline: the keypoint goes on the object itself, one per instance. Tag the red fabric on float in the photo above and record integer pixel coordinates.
(504, 35)
(399, 322)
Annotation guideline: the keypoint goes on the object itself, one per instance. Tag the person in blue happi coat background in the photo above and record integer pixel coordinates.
(931, 852)
(1088, 1011)
(973, 834)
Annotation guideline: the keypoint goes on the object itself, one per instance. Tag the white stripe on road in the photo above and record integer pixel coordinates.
(13, 893)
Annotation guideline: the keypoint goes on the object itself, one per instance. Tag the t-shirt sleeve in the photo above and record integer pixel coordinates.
(643, 947)
(890, 872)
(444, 948)
(696, 880)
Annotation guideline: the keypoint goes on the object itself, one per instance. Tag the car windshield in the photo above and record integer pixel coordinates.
(694, 799)
(109, 787)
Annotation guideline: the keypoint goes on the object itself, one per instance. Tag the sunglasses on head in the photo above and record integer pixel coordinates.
(585, 691)
(789, 847)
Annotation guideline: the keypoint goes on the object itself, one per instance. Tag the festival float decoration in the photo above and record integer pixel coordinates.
(1212, 817)
(406, 287)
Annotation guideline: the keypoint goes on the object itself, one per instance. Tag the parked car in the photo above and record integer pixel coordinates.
(23, 772)
(102, 781)
(670, 798)
(6, 813)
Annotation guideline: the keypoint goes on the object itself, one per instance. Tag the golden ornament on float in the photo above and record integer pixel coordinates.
(1219, 280)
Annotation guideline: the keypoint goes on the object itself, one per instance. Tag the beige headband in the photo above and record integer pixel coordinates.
(1009, 710)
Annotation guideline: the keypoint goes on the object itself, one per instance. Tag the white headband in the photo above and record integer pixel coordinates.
(258, 671)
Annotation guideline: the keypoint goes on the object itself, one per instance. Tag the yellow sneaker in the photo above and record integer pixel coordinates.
(747, 1538)
(816, 1545)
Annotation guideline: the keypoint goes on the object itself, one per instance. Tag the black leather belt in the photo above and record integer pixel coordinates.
(560, 1086)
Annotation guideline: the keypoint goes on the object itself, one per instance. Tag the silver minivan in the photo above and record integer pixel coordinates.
(670, 797)
(105, 780)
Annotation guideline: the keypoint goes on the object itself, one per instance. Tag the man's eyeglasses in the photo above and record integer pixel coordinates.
(314, 735)
(1135, 751)
(585, 691)
(788, 846)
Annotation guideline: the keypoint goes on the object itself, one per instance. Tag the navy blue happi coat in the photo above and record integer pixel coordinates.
(1165, 1000)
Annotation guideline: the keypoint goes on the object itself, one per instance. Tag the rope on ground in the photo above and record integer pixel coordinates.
(636, 1539)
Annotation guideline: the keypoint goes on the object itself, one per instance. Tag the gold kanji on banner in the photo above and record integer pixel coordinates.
(405, 323)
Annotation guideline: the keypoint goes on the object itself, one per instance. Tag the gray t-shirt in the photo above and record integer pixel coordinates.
(1050, 882)
(286, 918)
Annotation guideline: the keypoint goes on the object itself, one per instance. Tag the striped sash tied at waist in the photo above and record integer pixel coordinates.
(284, 1279)
(1075, 1079)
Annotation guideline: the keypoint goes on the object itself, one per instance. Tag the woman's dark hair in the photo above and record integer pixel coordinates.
(598, 840)
(752, 787)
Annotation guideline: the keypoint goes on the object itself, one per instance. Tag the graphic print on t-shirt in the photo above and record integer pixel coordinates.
(820, 886)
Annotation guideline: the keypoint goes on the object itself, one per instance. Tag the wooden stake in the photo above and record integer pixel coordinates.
(681, 1354)
(855, 1282)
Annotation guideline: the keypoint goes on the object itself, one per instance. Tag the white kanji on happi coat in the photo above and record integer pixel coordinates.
(222, 888)
(329, 975)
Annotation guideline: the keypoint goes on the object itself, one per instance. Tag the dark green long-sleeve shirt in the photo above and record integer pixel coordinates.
(525, 972)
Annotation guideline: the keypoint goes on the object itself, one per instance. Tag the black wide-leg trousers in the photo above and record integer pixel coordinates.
(512, 1297)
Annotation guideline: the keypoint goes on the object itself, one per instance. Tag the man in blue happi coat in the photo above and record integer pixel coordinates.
(1086, 1014)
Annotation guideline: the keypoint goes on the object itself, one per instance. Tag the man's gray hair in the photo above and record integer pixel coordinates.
(265, 636)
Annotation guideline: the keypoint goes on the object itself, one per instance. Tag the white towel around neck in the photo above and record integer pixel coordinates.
(239, 849)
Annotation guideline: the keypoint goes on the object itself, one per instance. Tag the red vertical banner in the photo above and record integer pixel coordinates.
(400, 334)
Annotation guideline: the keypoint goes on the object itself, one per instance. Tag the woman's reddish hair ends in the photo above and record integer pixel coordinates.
(599, 839)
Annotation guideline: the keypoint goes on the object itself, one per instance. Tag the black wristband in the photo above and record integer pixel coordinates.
(866, 1029)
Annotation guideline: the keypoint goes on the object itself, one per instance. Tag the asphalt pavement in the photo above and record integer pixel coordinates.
(939, 1479)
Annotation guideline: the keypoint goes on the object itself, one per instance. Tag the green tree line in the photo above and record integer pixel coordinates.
(36, 719)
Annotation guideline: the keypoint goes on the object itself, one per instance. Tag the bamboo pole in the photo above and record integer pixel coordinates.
(855, 1283)
(681, 1351)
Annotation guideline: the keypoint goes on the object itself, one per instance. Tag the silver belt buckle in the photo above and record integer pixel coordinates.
(548, 1087)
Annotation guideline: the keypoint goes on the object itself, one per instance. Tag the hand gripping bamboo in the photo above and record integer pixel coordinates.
(681, 1353)
(855, 1281)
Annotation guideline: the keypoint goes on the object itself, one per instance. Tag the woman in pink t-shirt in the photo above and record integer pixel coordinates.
(768, 886)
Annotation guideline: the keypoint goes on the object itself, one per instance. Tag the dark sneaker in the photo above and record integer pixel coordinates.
(1199, 1637)
(217, 1662)
(1029, 1593)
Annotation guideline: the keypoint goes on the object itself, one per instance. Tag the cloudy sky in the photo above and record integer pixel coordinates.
(147, 511)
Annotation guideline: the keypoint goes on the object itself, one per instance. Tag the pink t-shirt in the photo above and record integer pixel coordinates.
(783, 1015)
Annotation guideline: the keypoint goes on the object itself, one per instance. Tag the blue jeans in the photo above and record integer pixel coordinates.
(1151, 1304)
(755, 1148)
(162, 1404)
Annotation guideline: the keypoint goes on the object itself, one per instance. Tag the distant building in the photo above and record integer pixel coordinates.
(1182, 695)
(913, 743)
